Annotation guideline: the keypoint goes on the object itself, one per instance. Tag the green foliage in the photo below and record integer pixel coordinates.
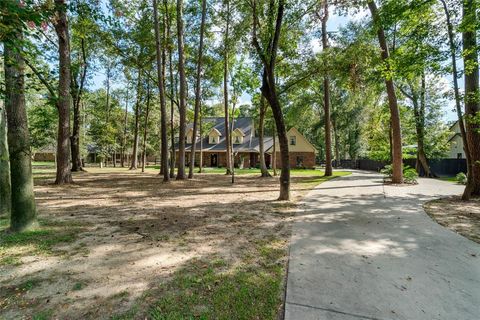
(42, 122)
(461, 178)
(410, 175)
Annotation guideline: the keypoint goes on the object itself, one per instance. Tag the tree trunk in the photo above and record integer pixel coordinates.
(198, 91)
(172, 90)
(200, 162)
(326, 96)
(134, 164)
(78, 90)
(161, 91)
(274, 154)
(145, 129)
(472, 103)
(458, 106)
(269, 91)
(268, 57)
(397, 176)
(64, 174)
(228, 150)
(419, 115)
(23, 211)
(261, 133)
(124, 138)
(5, 187)
(183, 92)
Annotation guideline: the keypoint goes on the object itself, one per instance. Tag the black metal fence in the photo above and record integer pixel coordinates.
(441, 167)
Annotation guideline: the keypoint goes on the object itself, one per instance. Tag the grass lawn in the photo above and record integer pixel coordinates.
(120, 244)
(451, 179)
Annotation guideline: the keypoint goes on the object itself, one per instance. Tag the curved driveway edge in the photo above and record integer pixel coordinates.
(362, 250)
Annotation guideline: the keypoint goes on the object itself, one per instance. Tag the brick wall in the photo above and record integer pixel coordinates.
(298, 160)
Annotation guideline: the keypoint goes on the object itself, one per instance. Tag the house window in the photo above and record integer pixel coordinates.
(213, 140)
(293, 140)
(237, 140)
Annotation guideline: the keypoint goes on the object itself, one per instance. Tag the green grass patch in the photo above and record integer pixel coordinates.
(40, 240)
(211, 289)
(43, 315)
(43, 164)
(450, 179)
(314, 180)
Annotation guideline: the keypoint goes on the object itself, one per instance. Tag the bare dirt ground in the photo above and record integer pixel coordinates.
(460, 216)
(126, 233)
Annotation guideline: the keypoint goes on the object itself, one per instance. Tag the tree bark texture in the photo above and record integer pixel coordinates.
(64, 174)
(397, 161)
(198, 91)
(23, 210)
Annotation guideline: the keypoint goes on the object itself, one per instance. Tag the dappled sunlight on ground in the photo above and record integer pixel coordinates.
(134, 233)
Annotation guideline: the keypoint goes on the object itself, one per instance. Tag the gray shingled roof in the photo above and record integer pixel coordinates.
(250, 142)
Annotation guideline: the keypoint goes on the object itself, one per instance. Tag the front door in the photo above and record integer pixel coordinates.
(213, 160)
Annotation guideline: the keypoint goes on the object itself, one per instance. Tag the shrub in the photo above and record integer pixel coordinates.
(409, 174)
(387, 170)
(461, 178)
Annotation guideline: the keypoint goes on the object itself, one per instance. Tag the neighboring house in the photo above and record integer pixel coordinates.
(456, 143)
(245, 145)
(46, 153)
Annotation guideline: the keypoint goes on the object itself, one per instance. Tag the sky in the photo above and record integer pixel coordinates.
(335, 22)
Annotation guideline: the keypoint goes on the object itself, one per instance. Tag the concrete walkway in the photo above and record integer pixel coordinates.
(362, 250)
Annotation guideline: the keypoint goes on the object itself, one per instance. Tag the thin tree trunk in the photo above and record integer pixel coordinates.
(23, 211)
(419, 114)
(124, 138)
(5, 187)
(198, 91)
(64, 174)
(225, 90)
(261, 133)
(75, 138)
(200, 163)
(145, 129)
(161, 91)
(172, 90)
(134, 164)
(326, 96)
(183, 92)
(458, 105)
(472, 103)
(274, 154)
(397, 176)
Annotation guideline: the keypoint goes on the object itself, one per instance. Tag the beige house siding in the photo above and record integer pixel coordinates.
(456, 143)
(301, 144)
(456, 147)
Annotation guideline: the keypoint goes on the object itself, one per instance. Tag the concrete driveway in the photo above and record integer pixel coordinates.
(362, 250)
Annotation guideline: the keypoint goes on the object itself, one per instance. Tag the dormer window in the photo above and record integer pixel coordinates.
(238, 136)
(214, 136)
